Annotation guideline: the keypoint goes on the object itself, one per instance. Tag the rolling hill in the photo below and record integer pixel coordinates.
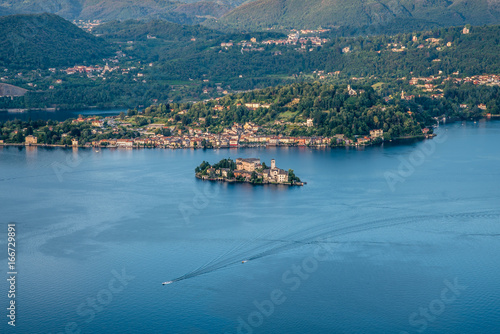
(138, 30)
(63, 43)
(185, 12)
(108, 10)
(203, 9)
(334, 13)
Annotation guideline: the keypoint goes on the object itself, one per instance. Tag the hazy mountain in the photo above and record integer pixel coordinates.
(138, 30)
(24, 36)
(232, 3)
(203, 9)
(331, 13)
(177, 11)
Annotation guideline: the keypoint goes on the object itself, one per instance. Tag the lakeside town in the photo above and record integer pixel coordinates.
(243, 120)
(249, 170)
(160, 135)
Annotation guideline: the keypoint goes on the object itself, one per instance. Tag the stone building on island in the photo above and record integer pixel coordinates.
(245, 167)
(248, 165)
(249, 170)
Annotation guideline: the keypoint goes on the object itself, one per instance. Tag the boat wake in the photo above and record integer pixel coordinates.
(316, 235)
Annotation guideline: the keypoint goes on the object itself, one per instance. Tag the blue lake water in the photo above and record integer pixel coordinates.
(389, 239)
(59, 115)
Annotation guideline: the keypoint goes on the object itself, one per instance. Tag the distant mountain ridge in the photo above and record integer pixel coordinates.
(182, 11)
(333, 13)
(137, 30)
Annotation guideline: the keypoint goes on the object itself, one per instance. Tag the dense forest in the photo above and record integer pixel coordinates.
(312, 14)
(75, 95)
(23, 37)
(332, 108)
(187, 63)
(185, 12)
(134, 30)
(470, 54)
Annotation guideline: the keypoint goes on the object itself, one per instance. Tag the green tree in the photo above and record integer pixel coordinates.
(292, 177)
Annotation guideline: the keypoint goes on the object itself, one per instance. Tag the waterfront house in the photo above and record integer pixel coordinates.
(30, 140)
(233, 142)
(127, 143)
(249, 165)
(273, 141)
(376, 133)
(140, 141)
(301, 141)
(363, 140)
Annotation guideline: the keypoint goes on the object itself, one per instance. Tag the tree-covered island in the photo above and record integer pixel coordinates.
(247, 170)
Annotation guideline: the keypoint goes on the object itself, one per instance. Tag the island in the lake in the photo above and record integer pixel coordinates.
(248, 171)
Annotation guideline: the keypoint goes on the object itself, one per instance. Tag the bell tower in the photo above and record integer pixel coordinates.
(273, 163)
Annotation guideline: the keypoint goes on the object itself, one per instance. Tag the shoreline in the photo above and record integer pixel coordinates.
(395, 140)
(23, 110)
(399, 139)
(224, 180)
(54, 109)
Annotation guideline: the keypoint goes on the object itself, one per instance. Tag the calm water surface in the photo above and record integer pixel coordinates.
(59, 115)
(390, 239)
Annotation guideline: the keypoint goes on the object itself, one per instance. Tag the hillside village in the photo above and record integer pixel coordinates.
(124, 68)
(238, 135)
(161, 127)
(295, 37)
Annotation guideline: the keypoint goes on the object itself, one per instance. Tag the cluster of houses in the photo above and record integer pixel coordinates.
(486, 79)
(90, 70)
(294, 38)
(238, 135)
(428, 85)
(85, 69)
(430, 41)
(248, 168)
(246, 135)
(418, 81)
(87, 25)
